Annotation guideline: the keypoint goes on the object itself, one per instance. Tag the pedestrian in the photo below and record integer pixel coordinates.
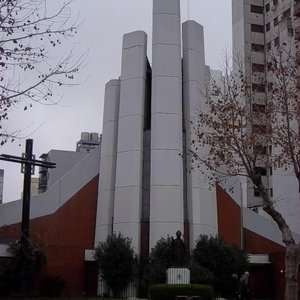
(244, 287)
(234, 287)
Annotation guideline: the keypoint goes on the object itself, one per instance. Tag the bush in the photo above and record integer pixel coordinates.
(200, 275)
(170, 291)
(221, 259)
(116, 261)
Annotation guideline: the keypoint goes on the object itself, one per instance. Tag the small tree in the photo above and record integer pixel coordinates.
(160, 259)
(116, 261)
(221, 259)
(19, 271)
(30, 68)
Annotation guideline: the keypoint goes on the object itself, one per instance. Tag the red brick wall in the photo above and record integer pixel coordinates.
(229, 218)
(64, 236)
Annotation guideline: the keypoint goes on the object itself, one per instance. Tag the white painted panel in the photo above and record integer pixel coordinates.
(170, 207)
(166, 168)
(110, 129)
(129, 168)
(168, 131)
(166, 6)
(167, 60)
(131, 91)
(163, 29)
(170, 88)
(130, 133)
(111, 106)
(125, 206)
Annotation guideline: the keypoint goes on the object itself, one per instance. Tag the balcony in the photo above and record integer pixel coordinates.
(297, 9)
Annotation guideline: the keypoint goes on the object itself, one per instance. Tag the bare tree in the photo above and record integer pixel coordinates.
(238, 125)
(30, 65)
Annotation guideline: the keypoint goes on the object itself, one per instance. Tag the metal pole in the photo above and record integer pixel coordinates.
(26, 190)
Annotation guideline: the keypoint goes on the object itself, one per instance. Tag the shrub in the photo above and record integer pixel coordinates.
(116, 261)
(221, 259)
(200, 275)
(170, 291)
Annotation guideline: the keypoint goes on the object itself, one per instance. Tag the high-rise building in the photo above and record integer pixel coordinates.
(1, 185)
(262, 29)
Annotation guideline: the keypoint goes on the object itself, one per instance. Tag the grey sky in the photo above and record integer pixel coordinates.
(81, 107)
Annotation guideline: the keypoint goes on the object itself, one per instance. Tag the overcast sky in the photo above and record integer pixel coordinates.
(81, 107)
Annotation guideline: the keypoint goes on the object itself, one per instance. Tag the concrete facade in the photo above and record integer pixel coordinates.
(146, 187)
(166, 194)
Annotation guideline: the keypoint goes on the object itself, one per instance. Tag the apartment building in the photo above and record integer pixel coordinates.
(263, 29)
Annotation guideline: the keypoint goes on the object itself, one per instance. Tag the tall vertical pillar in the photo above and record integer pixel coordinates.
(201, 202)
(166, 190)
(108, 161)
(128, 193)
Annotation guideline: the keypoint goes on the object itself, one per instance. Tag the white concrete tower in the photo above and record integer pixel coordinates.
(201, 202)
(107, 176)
(166, 190)
(128, 192)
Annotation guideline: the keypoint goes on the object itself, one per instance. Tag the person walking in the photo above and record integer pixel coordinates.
(244, 287)
(234, 287)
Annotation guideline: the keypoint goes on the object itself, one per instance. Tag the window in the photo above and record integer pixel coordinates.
(267, 7)
(268, 27)
(260, 150)
(257, 9)
(258, 68)
(257, 48)
(271, 192)
(257, 87)
(258, 108)
(286, 13)
(270, 151)
(270, 86)
(257, 28)
(261, 171)
(276, 21)
(269, 46)
(271, 171)
(276, 42)
(260, 129)
(256, 192)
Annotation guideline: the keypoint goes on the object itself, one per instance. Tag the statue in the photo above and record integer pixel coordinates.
(178, 254)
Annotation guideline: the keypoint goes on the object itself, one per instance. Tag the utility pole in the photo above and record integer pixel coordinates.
(28, 163)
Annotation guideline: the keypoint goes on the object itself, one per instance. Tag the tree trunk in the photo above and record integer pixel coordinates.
(291, 271)
(291, 248)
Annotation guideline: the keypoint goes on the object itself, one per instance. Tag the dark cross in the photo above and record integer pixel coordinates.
(28, 162)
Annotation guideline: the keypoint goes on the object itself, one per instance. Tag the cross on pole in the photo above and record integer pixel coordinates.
(28, 162)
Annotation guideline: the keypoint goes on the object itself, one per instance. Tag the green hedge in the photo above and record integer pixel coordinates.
(170, 291)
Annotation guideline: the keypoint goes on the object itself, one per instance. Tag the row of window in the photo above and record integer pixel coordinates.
(257, 192)
(260, 9)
